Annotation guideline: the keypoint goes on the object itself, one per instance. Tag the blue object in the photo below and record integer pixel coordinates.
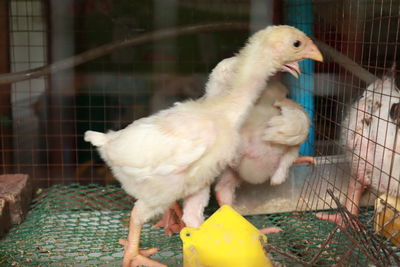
(299, 13)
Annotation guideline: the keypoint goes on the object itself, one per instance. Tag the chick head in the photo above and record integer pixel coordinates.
(286, 45)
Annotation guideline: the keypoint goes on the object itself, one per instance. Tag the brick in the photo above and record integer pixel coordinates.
(5, 219)
(16, 189)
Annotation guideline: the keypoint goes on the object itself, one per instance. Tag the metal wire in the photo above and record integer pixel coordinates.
(43, 119)
(367, 33)
(105, 93)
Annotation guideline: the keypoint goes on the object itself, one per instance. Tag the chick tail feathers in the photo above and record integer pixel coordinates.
(96, 138)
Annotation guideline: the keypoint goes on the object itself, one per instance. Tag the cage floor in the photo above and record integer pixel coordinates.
(80, 226)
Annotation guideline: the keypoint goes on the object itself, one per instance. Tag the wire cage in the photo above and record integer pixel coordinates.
(73, 65)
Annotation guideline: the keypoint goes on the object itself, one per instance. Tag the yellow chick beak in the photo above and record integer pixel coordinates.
(312, 52)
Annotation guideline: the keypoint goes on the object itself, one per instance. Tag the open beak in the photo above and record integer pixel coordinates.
(312, 52)
(293, 68)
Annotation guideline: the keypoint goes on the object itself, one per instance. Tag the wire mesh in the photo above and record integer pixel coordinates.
(355, 126)
(43, 119)
(80, 225)
(50, 113)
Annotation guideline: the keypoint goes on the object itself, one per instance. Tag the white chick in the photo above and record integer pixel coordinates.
(177, 153)
(270, 140)
(370, 133)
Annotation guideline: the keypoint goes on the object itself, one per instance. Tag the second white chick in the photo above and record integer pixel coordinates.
(270, 140)
(270, 137)
(371, 136)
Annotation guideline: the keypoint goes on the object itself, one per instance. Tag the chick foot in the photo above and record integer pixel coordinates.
(305, 159)
(225, 187)
(354, 192)
(171, 221)
(142, 257)
(132, 255)
(270, 230)
(338, 220)
(335, 218)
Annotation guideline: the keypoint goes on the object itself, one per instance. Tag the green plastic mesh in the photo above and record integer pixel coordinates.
(80, 225)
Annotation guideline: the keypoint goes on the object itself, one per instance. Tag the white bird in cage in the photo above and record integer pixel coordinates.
(270, 140)
(371, 136)
(177, 153)
(270, 137)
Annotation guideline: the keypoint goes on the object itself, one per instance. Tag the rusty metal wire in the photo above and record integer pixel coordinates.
(365, 239)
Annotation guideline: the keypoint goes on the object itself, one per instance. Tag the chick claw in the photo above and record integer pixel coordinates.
(171, 221)
(354, 192)
(141, 259)
(305, 159)
(169, 228)
(270, 230)
(335, 218)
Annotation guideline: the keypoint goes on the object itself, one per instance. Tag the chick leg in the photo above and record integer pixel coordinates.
(354, 193)
(193, 207)
(270, 230)
(132, 255)
(172, 220)
(305, 159)
(286, 161)
(226, 186)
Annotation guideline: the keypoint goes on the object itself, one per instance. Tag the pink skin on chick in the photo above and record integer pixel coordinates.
(271, 137)
(354, 193)
(225, 194)
(358, 141)
(361, 172)
(356, 185)
(171, 221)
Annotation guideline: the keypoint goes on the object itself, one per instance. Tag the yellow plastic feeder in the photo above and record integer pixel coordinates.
(225, 239)
(387, 222)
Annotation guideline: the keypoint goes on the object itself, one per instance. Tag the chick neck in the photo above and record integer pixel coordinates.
(249, 80)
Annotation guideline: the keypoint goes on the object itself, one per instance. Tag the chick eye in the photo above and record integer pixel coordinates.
(395, 111)
(297, 43)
